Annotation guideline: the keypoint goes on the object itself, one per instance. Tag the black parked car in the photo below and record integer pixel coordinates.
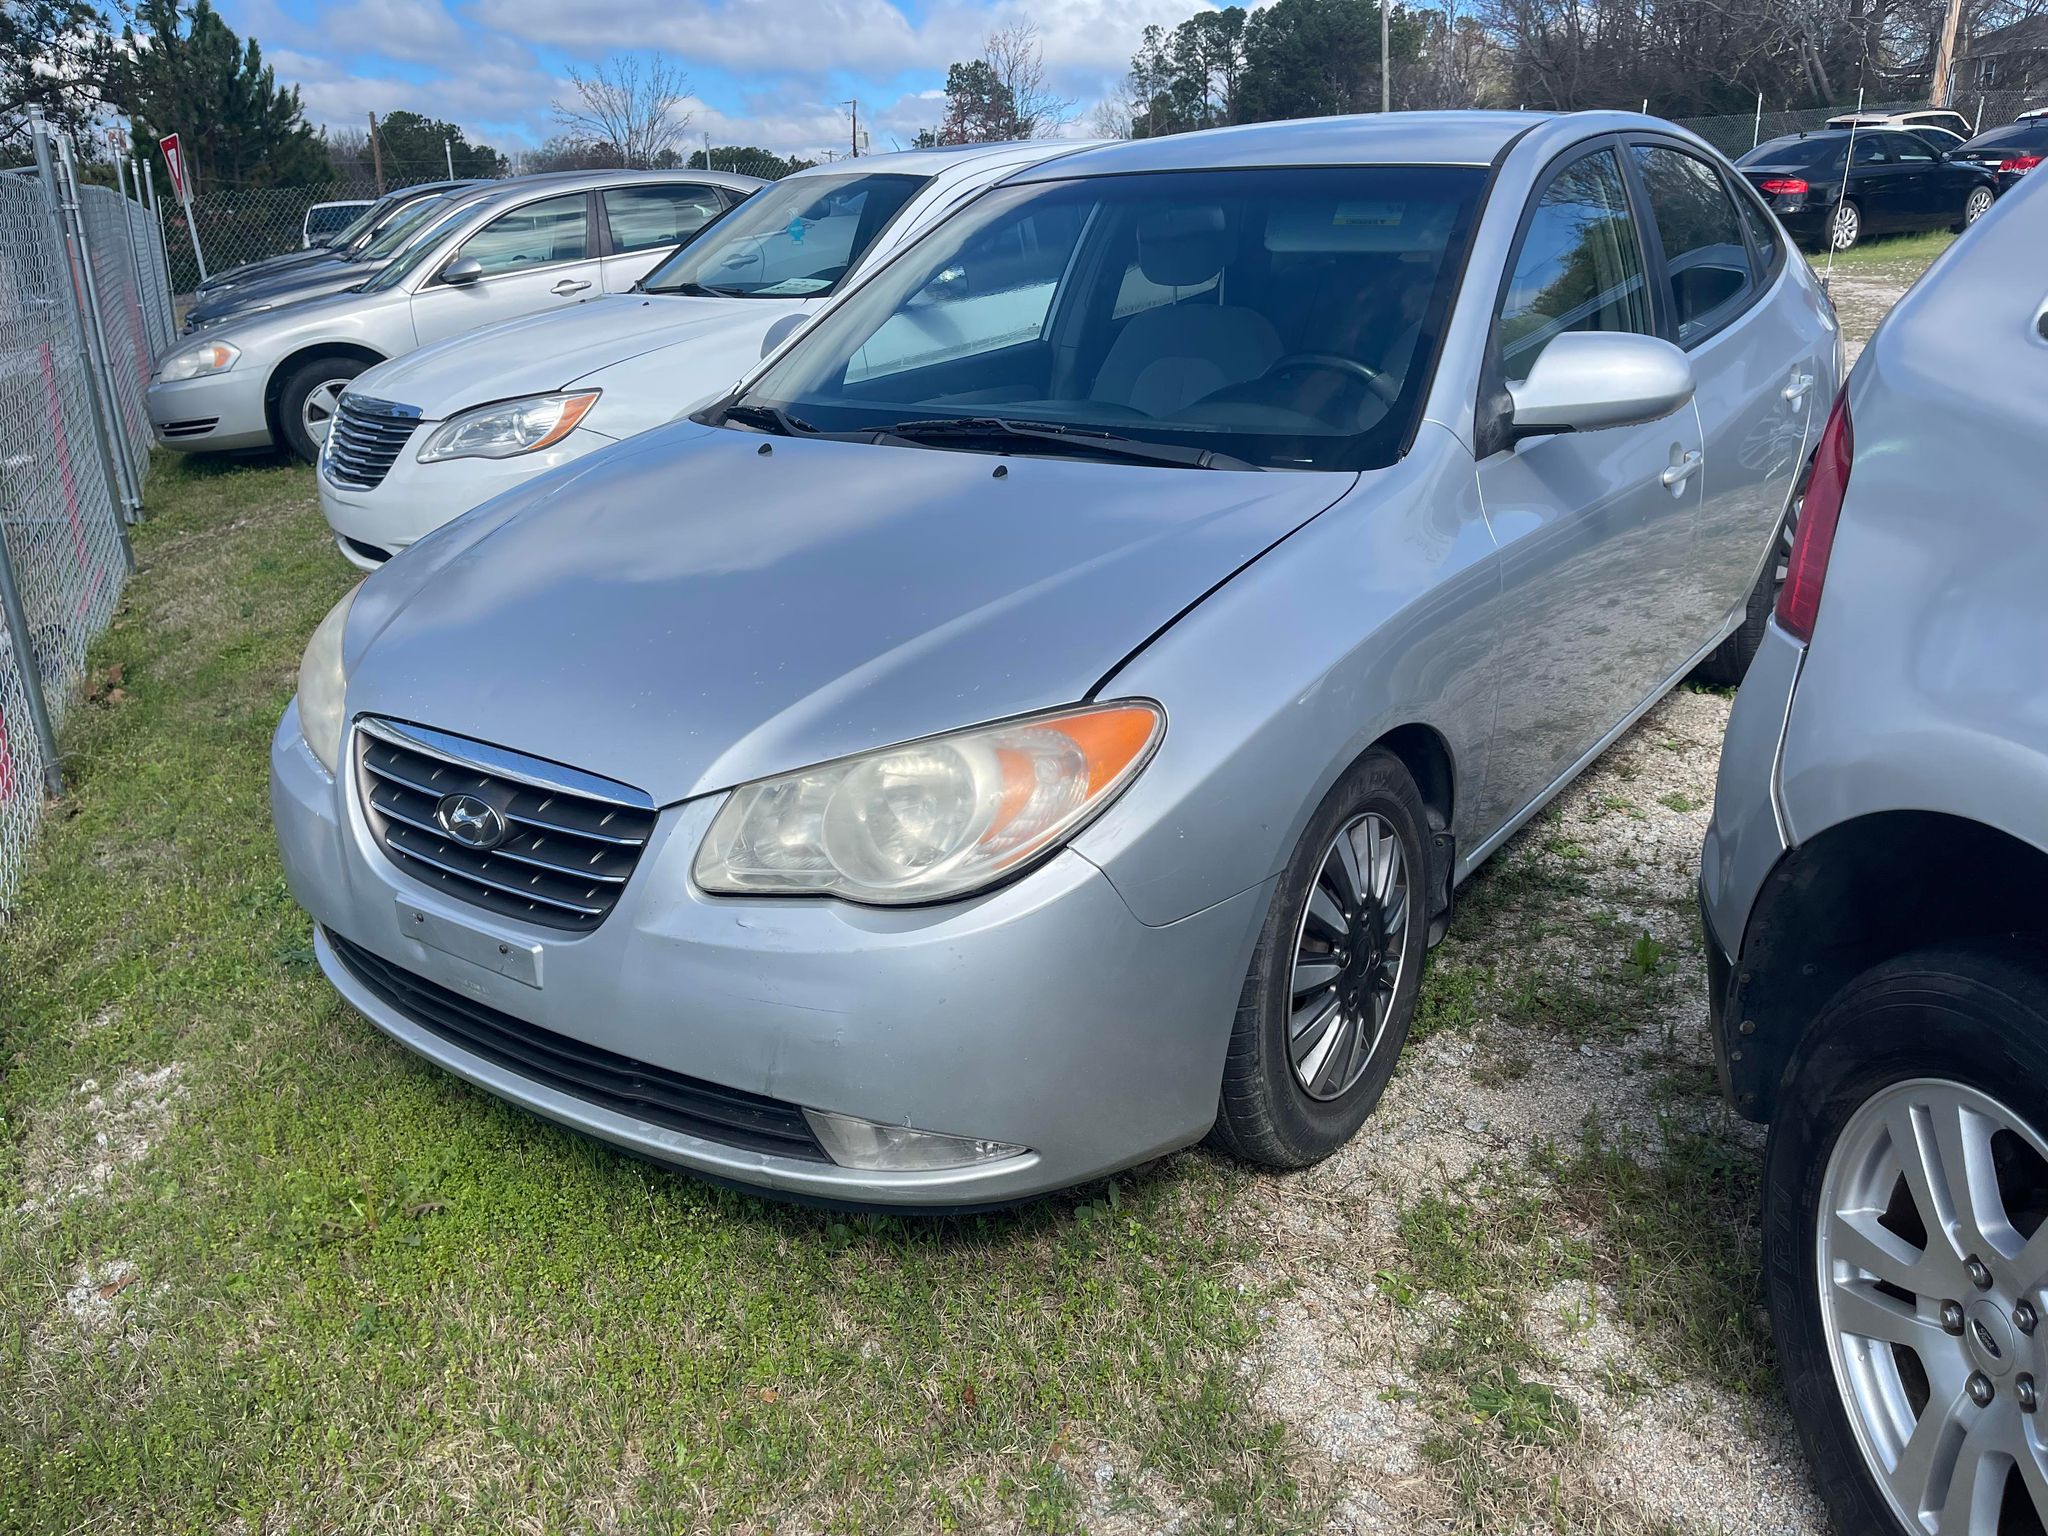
(1898, 181)
(2009, 152)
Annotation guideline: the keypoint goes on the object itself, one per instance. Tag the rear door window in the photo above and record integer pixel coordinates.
(646, 218)
(1706, 260)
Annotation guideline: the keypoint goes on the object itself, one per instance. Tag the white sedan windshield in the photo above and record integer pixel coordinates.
(793, 241)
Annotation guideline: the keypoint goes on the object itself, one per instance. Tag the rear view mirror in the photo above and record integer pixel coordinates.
(462, 271)
(1586, 380)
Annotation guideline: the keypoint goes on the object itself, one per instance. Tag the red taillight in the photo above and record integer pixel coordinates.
(2019, 164)
(1814, 539)
(1785, 186)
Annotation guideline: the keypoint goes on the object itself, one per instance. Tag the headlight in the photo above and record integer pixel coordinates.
(509, 428)
(930, 819)
(209, 357)
(321, 682)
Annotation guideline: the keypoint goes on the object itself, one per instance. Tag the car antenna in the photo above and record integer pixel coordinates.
(1848, 159)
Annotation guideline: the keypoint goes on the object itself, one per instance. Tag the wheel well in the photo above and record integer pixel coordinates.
(1427, 757)
(1857, 895)
(275, 387)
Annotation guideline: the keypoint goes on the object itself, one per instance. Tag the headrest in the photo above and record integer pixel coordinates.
(1184, 247)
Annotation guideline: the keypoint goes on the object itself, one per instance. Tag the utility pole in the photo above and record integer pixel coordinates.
(448, 149)
(854, 108)
(707, 149)
(1945, 56)
(376, 154)
(1386, 63)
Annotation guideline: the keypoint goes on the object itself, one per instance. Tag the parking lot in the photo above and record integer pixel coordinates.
(262, 1270)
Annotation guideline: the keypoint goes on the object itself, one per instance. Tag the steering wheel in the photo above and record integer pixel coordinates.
(1332, 362)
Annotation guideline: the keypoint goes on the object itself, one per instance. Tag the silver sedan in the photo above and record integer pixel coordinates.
(1041, 718)
(533, 243)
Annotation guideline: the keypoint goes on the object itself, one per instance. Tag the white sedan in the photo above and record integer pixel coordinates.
(425, 437)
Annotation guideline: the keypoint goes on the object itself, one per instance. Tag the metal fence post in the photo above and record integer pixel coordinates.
(135, 261)
(46, 175)
(163, 247)
(98, 357)
(16, 617)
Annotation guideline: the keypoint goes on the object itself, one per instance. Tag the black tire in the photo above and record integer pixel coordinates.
(298, 387)
(1728, 663)
(1265, 1115)
(1975, 1015)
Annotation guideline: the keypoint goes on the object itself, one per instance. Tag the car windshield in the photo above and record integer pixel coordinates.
(794, 240)
(419, 247)
(392, 238)
(364, 227)
(1273, 318)
(1807, 153)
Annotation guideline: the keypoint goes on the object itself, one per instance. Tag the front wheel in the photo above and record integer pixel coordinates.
(1975, 206)
(308, 399)
(1905, 1250)
(1332, 985)
(1846, 227)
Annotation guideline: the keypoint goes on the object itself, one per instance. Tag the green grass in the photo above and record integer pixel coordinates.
(1885, 254)
(369, 1298)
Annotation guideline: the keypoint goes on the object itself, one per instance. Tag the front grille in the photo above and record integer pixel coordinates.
(366, 439)
(569, 841)
(587, 1072)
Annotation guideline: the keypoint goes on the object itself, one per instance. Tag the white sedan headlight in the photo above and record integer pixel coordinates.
(509, 428)
(321, 684)
(207, 357)
(931, 819)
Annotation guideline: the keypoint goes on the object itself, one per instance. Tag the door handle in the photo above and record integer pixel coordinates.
(1795, 392)
(569, 285)
(1682, 471)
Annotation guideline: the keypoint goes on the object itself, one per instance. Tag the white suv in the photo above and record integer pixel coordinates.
(427, 436)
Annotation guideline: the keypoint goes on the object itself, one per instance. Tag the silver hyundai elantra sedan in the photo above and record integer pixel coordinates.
(1041, 717)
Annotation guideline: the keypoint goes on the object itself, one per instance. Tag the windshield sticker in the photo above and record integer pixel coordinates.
(1368, 215)
(795, 231)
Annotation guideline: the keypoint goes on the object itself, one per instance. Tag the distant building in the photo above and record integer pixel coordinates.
(2013, 58)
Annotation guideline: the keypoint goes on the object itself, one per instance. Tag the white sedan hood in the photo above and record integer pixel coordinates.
(591, 343)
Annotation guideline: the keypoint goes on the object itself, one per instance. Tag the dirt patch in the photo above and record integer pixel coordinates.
(76, 1151)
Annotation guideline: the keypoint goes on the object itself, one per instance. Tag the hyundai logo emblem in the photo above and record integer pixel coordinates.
(1990, 1345)
(470, 821)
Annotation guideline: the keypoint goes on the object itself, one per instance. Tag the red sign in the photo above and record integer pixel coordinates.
(174, 161)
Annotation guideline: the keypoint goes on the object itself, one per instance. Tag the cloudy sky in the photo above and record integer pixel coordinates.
(770, 72)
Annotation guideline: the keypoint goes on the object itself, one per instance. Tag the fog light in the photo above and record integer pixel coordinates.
(854, 1143)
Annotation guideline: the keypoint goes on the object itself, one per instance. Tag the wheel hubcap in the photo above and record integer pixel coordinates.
(318, 412)
(1980, 204)
(1349, 950)
(1932, 1257)
(1846, 225)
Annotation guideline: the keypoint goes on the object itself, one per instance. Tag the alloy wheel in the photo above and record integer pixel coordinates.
(1348, 953)
(317, 414)
(1932, 1262)
(1846, 227)
(1978, 204)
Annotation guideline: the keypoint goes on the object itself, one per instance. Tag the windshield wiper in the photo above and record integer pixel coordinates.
(988, 429)
(692, 291)
(769, 418)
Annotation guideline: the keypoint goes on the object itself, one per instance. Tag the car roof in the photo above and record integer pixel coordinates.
(947, 157)
(1392, 138)
(514, 187)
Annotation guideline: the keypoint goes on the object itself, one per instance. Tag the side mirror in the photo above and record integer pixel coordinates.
(462, 271)
(780, 331)
(1586, 380)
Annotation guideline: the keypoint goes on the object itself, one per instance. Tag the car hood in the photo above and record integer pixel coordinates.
(558, 347)
(701, 607)
(290, 288)
(269, 266)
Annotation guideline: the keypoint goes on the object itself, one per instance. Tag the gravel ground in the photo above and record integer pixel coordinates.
(1380, 1375)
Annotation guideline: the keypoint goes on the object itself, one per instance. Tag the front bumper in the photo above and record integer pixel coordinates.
(215, 412)
(370, 526)
(1043, 1015)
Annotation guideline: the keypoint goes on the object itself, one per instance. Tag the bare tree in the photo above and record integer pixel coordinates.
(632, 107)
(1114, 117)
(1014, 56)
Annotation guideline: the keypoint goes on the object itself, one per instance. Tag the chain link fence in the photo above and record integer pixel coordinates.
(1738, 133)
(244, 224)
(84, 314)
